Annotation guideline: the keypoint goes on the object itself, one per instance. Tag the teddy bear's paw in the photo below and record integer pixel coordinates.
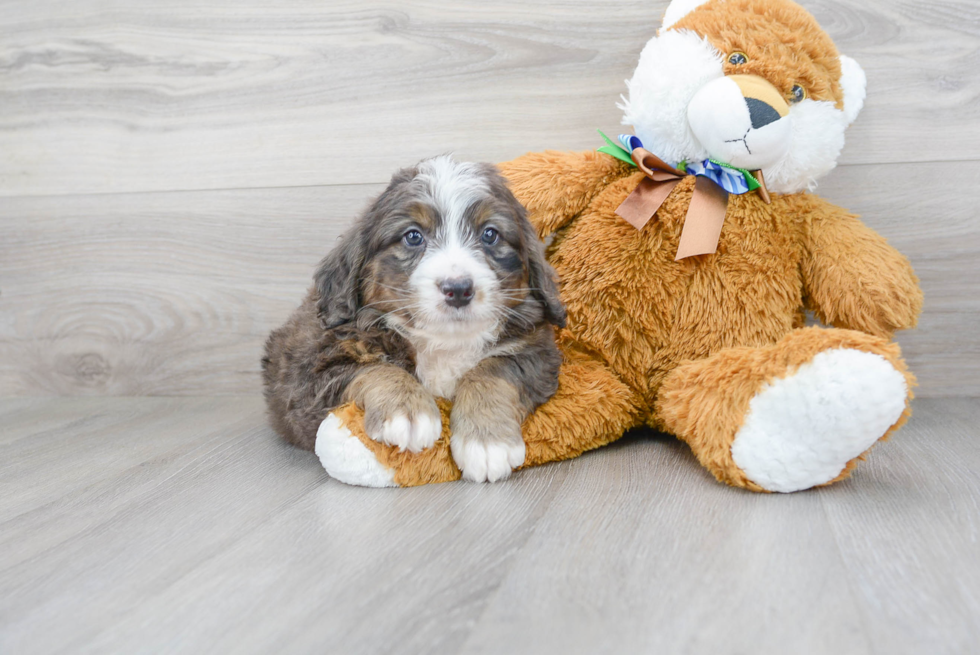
(486, 460)
(802, 430)
(348, 460)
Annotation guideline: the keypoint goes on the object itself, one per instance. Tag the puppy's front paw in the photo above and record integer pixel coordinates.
(486, 461)
(485, 450)
(409, 422)
(413, 433)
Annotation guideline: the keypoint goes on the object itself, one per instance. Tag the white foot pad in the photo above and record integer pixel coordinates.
(487, 461)
(802, 430)
(346, 459)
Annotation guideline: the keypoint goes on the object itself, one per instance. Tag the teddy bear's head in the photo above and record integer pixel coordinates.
(756, 84)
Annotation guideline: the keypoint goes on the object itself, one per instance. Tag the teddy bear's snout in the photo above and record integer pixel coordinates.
(741, 120)
(766, 105)
(760, 113)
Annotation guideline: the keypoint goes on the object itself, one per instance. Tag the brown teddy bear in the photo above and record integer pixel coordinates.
(687, 259)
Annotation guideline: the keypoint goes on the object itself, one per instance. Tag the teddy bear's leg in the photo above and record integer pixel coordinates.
(794, 415)
(592, 407)
(350, 456)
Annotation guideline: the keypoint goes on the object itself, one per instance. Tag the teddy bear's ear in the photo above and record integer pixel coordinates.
(678, 9)
(855, 84)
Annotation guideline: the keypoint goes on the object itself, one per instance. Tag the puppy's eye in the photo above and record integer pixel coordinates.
(737, 58)
(414, 238)
(798, 94)
(490, 236)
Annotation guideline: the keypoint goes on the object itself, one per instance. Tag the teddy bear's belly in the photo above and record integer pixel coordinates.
(630, 301)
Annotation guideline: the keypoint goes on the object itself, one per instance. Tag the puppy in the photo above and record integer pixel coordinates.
(441, 288)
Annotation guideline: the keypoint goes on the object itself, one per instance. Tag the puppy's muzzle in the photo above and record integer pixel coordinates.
(458, 292)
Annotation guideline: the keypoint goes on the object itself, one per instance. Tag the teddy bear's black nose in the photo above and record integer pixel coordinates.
(761, 113)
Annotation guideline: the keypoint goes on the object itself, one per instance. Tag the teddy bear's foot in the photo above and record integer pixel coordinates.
(349, 455)
(348, 460)
(802, 430)
(798, 414)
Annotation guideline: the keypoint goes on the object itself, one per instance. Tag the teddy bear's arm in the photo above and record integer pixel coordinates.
(853, 279)
(556, 186)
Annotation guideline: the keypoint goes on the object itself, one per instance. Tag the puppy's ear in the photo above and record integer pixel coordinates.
(541, 277)
(337, 279)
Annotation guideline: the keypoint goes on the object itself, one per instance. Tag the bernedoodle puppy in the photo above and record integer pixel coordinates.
(441, 288)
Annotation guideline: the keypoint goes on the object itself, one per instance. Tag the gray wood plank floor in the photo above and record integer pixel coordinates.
(182, 525)
(171, 172)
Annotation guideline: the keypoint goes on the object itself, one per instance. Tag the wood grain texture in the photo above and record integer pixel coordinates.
(183, 525)
(156, 294)
(885, 563)
(931, 479)
(175, 293)
(169, 95)
(184, 504)
(932, 214)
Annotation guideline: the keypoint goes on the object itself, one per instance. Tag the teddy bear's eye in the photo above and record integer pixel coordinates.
(737, 58)
(798, 94)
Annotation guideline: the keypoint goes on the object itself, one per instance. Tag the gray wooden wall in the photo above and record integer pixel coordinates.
(171, 172)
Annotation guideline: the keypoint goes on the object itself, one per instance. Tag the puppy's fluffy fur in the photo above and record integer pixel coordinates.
(440, 289)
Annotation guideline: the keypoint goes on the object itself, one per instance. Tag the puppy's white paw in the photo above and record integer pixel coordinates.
(486, 461)
(413, 434)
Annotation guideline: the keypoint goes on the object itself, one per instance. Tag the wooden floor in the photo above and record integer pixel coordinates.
(182, 525)
(170, 173)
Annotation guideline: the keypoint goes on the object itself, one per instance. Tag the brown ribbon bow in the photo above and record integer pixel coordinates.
(705, 215)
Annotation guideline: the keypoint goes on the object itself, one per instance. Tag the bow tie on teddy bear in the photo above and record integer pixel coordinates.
(714, 182)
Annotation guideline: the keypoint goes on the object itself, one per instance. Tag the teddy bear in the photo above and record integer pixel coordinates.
(689, 254)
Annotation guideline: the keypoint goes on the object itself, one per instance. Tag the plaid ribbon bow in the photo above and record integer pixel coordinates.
(733, 180)
(714, 181)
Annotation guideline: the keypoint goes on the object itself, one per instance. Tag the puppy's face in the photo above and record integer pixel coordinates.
(447, 251)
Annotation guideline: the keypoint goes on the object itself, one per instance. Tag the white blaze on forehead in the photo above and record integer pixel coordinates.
(449, 342)
(453, 187)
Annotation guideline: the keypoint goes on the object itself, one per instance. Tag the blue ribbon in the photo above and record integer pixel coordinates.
(730, 180)
(630, 142)
(735, 181)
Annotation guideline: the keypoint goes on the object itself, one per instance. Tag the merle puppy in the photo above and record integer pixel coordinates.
(440, 289)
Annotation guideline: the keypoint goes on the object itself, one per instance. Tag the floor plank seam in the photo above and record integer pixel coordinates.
(378, 182)
(135, 501)
(464, 647)
(851, 591)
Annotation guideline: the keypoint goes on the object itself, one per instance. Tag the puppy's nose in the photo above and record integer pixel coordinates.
(458, 291)
(761, 113)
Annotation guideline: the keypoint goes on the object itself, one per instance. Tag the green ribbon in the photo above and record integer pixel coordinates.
(621, 153)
